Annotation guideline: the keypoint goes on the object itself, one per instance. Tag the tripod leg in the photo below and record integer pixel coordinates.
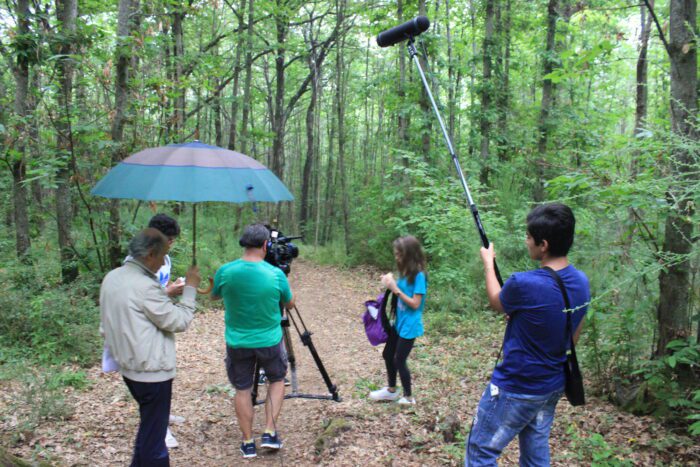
(332, 389)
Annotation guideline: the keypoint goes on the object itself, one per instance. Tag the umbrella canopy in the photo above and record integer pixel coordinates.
(193, 172)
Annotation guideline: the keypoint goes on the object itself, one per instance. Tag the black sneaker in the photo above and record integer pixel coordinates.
(271, 441)
(286, 382)
(248, 450)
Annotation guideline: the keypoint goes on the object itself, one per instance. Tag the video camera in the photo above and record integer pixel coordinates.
(281, 251)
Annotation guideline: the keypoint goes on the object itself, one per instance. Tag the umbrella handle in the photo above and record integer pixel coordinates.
(208, 289)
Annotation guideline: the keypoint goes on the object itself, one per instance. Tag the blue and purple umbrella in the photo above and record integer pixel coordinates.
(192, 172)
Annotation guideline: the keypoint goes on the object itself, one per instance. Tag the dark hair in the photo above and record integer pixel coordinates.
(146, 242)
(411, 258)
(555, 223)
(254, 236)
(166, 224)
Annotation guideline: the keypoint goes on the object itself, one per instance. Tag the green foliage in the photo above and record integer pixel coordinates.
(49, 325)
(667, 383)
(595, 450)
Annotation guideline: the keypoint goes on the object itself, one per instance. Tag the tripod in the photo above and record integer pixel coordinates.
(472, 206)
(305, 337)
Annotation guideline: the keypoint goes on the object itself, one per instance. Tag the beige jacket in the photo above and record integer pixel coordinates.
(139, 320)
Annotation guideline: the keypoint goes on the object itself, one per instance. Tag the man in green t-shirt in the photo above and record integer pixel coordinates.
(252, 290)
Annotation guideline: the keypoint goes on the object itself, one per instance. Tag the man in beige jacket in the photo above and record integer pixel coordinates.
(139, 321)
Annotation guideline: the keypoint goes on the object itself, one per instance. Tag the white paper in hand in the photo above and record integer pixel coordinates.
(109, 364)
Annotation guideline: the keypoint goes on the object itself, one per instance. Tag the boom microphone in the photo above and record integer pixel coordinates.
(404, 31)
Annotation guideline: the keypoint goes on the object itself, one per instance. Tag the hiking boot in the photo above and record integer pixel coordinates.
(406, 401)
(248, 450)
(170, 440)
(271, 441)
(384, 394)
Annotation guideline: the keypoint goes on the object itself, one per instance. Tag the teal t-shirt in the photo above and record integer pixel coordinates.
(252, 292)
(409, 322)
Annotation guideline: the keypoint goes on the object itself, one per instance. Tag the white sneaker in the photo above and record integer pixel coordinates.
(406, 401)
(176, 419)
(170, 440)
(384, 394)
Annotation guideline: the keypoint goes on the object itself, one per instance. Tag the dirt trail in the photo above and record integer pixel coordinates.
(103, 427)
(449, 376)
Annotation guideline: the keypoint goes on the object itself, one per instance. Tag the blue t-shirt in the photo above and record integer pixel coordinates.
(535, 343)
(409, 322)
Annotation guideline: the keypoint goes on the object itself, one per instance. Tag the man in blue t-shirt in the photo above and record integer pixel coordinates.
(525, 387)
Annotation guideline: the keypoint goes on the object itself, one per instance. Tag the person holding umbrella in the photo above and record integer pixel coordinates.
(139, 320)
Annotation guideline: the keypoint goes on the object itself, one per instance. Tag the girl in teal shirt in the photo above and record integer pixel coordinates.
(410, 290)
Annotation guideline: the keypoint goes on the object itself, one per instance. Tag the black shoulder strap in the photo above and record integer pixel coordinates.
(382, 311)
(569, 329)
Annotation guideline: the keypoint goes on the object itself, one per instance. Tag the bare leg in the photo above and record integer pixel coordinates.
(275, 398)
(244, 412)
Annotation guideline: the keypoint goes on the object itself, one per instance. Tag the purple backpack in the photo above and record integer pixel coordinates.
(377, 326)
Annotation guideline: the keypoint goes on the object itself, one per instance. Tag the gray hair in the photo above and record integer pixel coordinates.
(146, 242)
(254, 236)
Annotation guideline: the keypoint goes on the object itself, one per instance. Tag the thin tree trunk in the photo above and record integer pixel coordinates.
(487, 89)
(67, 13)
(178, 56)
(504, 92)
(402, 119)
(235, 102)
(547, 98)
(424, 102)
(674, 279)
(310, 138)
(279, 117)
(340, 110)
(121, 96)
(20, 70)
(248, 79)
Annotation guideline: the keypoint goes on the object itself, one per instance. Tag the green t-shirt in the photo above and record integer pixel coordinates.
(252, 292)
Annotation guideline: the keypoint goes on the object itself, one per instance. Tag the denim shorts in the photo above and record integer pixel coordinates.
(240, 364)
(501, 416)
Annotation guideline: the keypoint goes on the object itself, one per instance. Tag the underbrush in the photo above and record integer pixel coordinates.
(46, 323)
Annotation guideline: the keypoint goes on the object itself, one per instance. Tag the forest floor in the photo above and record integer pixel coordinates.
(451, 366)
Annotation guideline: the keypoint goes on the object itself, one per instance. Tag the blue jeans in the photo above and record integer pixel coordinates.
(154, 408)
(503, 415)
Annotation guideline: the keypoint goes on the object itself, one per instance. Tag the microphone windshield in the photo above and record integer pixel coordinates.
(400, 33)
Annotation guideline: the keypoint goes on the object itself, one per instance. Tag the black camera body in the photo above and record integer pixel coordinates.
(281, 251)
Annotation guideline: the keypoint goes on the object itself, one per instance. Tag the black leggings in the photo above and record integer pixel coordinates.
(395, 355)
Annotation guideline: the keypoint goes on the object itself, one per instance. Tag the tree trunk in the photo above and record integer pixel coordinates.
(279, 117)
(451, 82)
(504, 92)
(121, 97)
(309, 163)
(674, 279)
(177, 17)
(340, 111)
(67, 13)
(19, 188)
(402, 119)
(487, 89)
(247, 80)
(235, 102)
(424, 101)
(547, 97)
